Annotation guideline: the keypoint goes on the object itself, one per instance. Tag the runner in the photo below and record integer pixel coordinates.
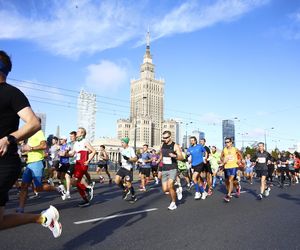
(297, 166)
(154, 165)
(72, 160)
(261, 158)
(229, 158)
(35, 169)
(145, 160)
(207, 169)
(169, 154)
(124, 176)
(283, 169)
(13, 106)
(63, 158)
(215, 161)
(84, 152)
(102, 164)
(184, 171)
(249, 169)
(198, 154)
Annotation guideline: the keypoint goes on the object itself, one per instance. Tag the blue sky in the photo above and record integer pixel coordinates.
(219, 59)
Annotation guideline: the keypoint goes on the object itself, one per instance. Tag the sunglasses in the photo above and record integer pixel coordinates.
(165, 138)
(227, 141)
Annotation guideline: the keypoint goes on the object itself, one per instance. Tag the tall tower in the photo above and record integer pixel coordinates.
(147, 100)
(228, 130)
(87, 113)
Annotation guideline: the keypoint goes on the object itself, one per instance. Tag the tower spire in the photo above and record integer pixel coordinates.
(148, 38)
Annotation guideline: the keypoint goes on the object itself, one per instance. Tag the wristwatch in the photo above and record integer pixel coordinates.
(11, 139)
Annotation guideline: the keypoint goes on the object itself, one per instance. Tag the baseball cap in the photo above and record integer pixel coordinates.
(125, 140)
(64, 137)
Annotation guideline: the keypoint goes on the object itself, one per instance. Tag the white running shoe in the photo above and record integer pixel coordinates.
(62, 190)
(267, 192)
(52, 217)
(68, 195)
(197, 196)
(179, 193)
(172, 206)
(203, 196)
(50, 182)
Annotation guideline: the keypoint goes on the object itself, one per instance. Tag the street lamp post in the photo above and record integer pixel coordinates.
(266, 137)
(186, 125)
(135, 123)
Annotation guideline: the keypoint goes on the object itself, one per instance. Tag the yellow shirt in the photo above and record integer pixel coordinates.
(230, 157)
(33, 141)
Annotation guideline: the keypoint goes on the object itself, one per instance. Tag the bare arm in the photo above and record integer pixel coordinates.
(31, 126)
(178, 152)
(92, 154)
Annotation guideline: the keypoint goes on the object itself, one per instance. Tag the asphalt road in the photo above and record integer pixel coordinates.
(244, 223)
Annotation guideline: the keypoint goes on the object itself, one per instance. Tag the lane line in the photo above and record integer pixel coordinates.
(114, 216)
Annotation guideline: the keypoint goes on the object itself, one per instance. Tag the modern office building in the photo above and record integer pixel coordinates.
(228, 130)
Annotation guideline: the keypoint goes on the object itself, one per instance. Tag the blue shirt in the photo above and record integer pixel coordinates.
(64, 159)
(197, 152)
(145, 157)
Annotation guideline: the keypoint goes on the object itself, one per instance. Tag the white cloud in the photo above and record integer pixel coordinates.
(106, 75)
(192, 15)
(71, 28)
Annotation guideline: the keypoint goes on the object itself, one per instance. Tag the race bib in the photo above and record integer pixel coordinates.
(167, 160)
(230, 158)
(261, 160)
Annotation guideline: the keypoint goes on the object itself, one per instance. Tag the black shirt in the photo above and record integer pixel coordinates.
(261, 159)
(169, 163)
(12, 100)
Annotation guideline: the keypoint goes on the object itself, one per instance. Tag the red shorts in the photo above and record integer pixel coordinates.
(79, 170)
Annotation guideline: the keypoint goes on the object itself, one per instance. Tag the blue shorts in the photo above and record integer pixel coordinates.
(249, 170)
(34, 171)
(230, 172)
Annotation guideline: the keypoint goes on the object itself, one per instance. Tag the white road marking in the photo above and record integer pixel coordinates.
(114, 216)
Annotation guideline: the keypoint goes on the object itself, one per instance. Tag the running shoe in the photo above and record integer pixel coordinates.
(210, 192)
(68, 196)
(238, 191)
(133, 199)
(84, 204)
(179, 193)
(90, 193)
(197, 196)
(143, 189)
(93, 184)
(259, 196)
(267, 192)
(50, 182)
(51, 221)
(172, 206)
(126, 192)
(227, 198)
(62, 190)
(35, 196)
(101, 179)
(204, 195)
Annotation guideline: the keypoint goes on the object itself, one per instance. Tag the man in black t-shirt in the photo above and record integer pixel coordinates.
(13, 106)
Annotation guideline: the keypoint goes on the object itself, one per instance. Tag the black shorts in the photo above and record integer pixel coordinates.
(123, 172)
(101, 166)
(207, 168)
(260, 173)
(63, 168)
(71, 169)
(199, 168)
(184, 172)
(9, 173)
(146, 171)
(154, 168)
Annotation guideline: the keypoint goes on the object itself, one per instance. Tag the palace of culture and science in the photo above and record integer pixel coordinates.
(147, 108)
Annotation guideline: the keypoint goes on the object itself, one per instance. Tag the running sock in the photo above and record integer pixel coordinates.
(132, 190)
(197, 188)
(214, 180)
(201, 188)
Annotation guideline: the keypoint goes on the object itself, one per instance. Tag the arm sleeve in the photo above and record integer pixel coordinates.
(19, 100)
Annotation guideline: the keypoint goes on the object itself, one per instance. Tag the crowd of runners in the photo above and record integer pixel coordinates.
(64, 164)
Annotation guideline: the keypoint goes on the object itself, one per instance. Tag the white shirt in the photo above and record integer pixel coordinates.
(129, 152)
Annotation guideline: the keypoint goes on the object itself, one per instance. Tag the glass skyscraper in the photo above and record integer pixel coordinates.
(228, 130)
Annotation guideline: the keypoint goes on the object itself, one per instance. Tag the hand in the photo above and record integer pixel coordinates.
(26, 148)
(86, 163)
(3, 145)
(172, 155)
